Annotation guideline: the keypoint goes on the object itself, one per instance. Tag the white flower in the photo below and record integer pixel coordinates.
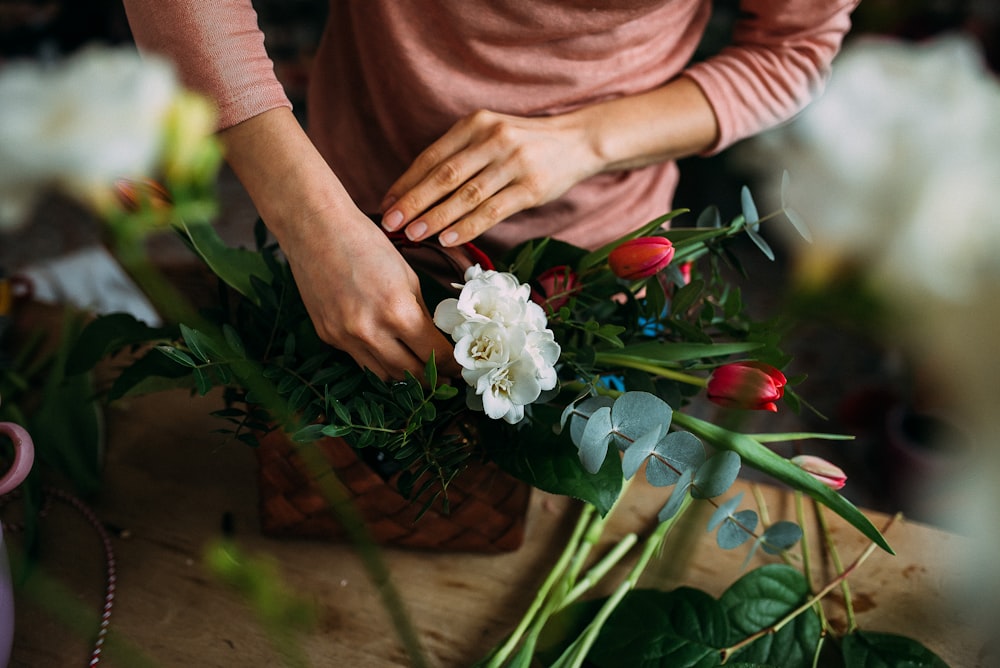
(507, 354)
(79, 125)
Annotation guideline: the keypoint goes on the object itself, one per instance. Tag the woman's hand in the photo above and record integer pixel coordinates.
(488, 167)
(360, 293)
(363, 297)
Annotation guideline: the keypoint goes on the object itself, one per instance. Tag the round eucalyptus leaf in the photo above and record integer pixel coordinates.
(716, 475)
(636, 413)
(736, 529)
(682, 449)
(582, 413)
(780, 536)
(637, 452)
(593, 445)
(724, 510)
(677, 497)
(749, 207)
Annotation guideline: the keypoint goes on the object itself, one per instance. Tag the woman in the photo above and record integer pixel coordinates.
(498, 120)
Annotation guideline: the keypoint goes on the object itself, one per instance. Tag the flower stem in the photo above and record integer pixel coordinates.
(555, 575)
(577, 652)
(845, 587)
(655, 369)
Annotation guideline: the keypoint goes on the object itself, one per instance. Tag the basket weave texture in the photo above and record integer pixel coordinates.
(488, 507)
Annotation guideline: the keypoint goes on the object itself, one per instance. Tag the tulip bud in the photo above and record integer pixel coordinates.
(642, 257)
(753, 385)
(828, 474)
(137, 194)
(557, 285)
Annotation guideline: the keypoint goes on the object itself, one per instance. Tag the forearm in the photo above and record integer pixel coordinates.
(284, 174)
(667, 123)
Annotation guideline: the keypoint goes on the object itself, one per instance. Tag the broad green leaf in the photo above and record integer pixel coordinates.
(550, 462)
(867, 649)
(767, 461)
(178, 356)
(235, 266)
(760, 599)
(683, 628)
(109, 333)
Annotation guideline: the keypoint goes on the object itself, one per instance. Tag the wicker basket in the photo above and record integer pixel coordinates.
(488, 508)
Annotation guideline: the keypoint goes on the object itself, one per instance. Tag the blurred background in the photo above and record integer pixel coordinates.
(859, 380)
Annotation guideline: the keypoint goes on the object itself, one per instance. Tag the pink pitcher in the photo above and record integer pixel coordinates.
(24, 455)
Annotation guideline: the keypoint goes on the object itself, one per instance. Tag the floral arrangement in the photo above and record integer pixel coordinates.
(583, 370)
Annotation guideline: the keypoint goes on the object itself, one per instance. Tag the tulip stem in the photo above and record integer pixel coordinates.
(655, 369)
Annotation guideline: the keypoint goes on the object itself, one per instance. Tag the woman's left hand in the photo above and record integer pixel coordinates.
(486, 168)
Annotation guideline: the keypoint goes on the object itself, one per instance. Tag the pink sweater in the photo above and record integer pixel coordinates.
(391, 76)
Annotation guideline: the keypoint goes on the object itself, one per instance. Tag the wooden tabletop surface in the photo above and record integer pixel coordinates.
(171, 486)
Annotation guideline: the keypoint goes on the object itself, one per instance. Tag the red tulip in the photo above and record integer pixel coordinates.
(557, 285)
(752, 385)
(642, 257)
(828, 474)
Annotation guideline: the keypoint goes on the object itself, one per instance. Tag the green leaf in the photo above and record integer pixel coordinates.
(178, 356)
(736, 529)
(635, 414)
(716, 475)
(675, 453)
(550, 461)
(309, 433)
(749, 208)
(683, 628)
(596, 437)
(110, 333)
(760, 599)
(655, 351)
(234, 266)
(767, 461)
(867, 649)
(233, 340)
(780, 536)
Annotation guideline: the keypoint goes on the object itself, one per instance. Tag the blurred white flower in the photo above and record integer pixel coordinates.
(79, 125)
(895, 167)
(507, 354)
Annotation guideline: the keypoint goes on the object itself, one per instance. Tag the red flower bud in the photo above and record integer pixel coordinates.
(134, 194)
(556, 285)
(642, 257)
(828, 474)
(752, 385)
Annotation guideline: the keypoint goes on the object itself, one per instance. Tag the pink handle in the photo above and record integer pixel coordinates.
(24, 456)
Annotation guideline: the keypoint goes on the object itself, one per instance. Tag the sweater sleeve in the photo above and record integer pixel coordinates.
(779, 59)
(217, 48)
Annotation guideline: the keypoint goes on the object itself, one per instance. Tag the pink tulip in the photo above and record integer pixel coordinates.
(642, 257)
(753, 385)
(828, 474)
(557, 285)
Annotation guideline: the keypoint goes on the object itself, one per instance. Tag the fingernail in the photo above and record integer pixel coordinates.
(392, 220)
(416, 230)
(448, 238)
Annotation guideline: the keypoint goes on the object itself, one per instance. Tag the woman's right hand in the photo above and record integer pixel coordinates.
(361, 295)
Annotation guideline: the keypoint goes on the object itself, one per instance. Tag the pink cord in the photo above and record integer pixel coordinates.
(109, 557)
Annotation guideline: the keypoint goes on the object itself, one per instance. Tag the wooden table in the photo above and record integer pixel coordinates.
(171, 485)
